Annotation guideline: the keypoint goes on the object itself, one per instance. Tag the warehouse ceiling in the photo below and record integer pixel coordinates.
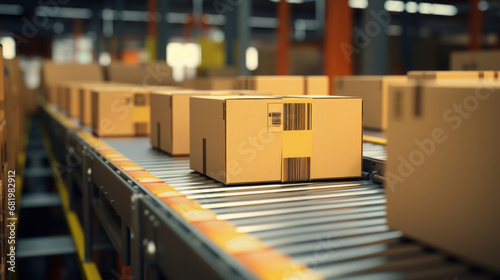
(17, 16)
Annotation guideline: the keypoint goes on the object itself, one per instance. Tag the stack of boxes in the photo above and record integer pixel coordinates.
(69, 96)
(170, 117)
(122, 110)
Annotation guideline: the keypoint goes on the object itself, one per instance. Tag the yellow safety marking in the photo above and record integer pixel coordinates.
(89, 269)
(376, 140)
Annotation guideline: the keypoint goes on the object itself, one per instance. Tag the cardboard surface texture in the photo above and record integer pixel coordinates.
(170, 118)
(373, 90)
(441, 183)
(245, 139)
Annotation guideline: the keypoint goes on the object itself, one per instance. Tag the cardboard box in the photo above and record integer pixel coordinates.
(122, 111)
(441, 182)
(85, 99)
(54, 73)
(143, 74)
(475, 60)
(286, 85)
(170, 118)
(69, 95)
(245, 139)
(373, 90)
(317, 85)
(453, 75)
(209, 84)
(277, 85)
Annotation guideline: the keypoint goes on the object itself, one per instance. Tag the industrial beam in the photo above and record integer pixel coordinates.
(374, 55)
(338, 39)
(163, 30)
(152, 30)
(320, 17)
(244, 11)
(475, 26)
(120, 5)
(283, 37)
(230, 35)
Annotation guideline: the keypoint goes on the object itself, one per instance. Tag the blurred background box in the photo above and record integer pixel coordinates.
(54, 73)
(170, 117)
(120, 111)
(209, 84)
(373, 90)
(475, 60)
(453, 75)
(158, 73)
(286, 85)
(69, 96)
(441, 183)
(85, 98)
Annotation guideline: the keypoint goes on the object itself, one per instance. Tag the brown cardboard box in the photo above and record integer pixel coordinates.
(453, 75)
(143, 74)
(122, 110)
(85, 98)
(69, 95)
(209, 84)
(317, 85)
(441, 182)
(475, 60)
(286, 85)
(244, 139)
(373, 90)
(170, 118)
(54, 73)
(277, 85)
(2, 87)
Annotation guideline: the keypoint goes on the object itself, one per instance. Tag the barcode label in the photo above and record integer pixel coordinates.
(275, 118)
(297, 116)
(296, 169)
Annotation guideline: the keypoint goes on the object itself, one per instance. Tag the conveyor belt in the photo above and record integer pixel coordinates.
(336, 228)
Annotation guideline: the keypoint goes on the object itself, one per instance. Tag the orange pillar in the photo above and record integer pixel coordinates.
(338, 39)
(475, 26)
(283, 34)
(152, 29)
